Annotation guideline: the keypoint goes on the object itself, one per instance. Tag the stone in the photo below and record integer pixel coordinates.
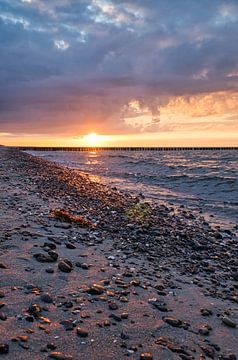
(65, 266)
(53, 255)
(4, 348)
(70, 246)
(235, 276)
(82, 332)
(3, 316)
(146, 356)
(113, 306)
(59, 356)
(208, 351)
(96, 289)
(35, 310)
(159, 304)
(84, 266)
(43, 258)
(173, 321)
(47, 298)
(228, 322)
(206, 312)
(68, 325)
(203, 331)
(50, 245)
(50, 270)
(229, 356)
(124, 316)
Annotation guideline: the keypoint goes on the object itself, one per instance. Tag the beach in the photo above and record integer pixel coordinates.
(90, 272)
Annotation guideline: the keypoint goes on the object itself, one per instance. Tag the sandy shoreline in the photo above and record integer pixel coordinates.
(167, 283)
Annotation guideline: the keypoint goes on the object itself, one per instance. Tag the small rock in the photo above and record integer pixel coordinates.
(50, 270)
(208, 351)
(124, 336)
(203, 331)
(173, 321)
(206, 312)
(160, 305)
(235, 276)
(84, 266)
(50, 245)
(44, 258)
(4, 348)
(124, 315)
(3, 316)
(59, 356)
(47, 298)
(96, 289)
(82, 332)
(70, 246)
(68, 325)
(65, 266)
(227, 321)
(113, 306)
(146, 356)
(34, 310)
(229, 356)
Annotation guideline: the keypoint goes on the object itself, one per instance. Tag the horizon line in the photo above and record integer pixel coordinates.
(120, 148)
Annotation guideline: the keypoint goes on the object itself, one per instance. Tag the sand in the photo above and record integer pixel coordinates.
(166, 281)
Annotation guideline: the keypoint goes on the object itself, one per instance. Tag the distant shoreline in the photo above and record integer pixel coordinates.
(105, 148)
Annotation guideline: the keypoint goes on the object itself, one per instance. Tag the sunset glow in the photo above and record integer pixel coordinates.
(91, 139)
(140, 71)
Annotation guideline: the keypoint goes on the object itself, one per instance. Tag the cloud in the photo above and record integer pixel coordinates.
(68, 66)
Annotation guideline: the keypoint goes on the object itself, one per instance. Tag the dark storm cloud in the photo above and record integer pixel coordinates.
(87, 60)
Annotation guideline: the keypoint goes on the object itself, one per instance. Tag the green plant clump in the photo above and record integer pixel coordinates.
(139, 211)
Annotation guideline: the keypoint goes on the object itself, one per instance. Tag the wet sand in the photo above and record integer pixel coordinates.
(136, 281)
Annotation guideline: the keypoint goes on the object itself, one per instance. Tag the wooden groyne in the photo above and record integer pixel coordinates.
(99, 148)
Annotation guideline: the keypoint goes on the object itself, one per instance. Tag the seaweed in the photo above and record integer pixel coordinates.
(64, 216)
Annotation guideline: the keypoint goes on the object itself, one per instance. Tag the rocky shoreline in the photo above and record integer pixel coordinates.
(88, 272)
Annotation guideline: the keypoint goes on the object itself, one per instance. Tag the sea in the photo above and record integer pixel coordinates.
(201, 180)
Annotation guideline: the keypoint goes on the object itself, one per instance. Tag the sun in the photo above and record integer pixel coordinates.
(91, 139)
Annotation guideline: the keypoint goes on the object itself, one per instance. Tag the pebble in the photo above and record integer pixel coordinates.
(50, 270)
(65, 266)
(113, 306)
(206, 312)
(44, 258)
(4, 348)
(96, 289)
(3, 316)
(47, 298)
(235, 276)
(227, 321)
(34, 310)
(173, 321)
(68, 325)
(146, 356)
(82, 332)
(229, 356)
(70, 246)
(59, 356)
(203, 331)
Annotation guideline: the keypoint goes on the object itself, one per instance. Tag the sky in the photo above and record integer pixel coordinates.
(135, 72)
